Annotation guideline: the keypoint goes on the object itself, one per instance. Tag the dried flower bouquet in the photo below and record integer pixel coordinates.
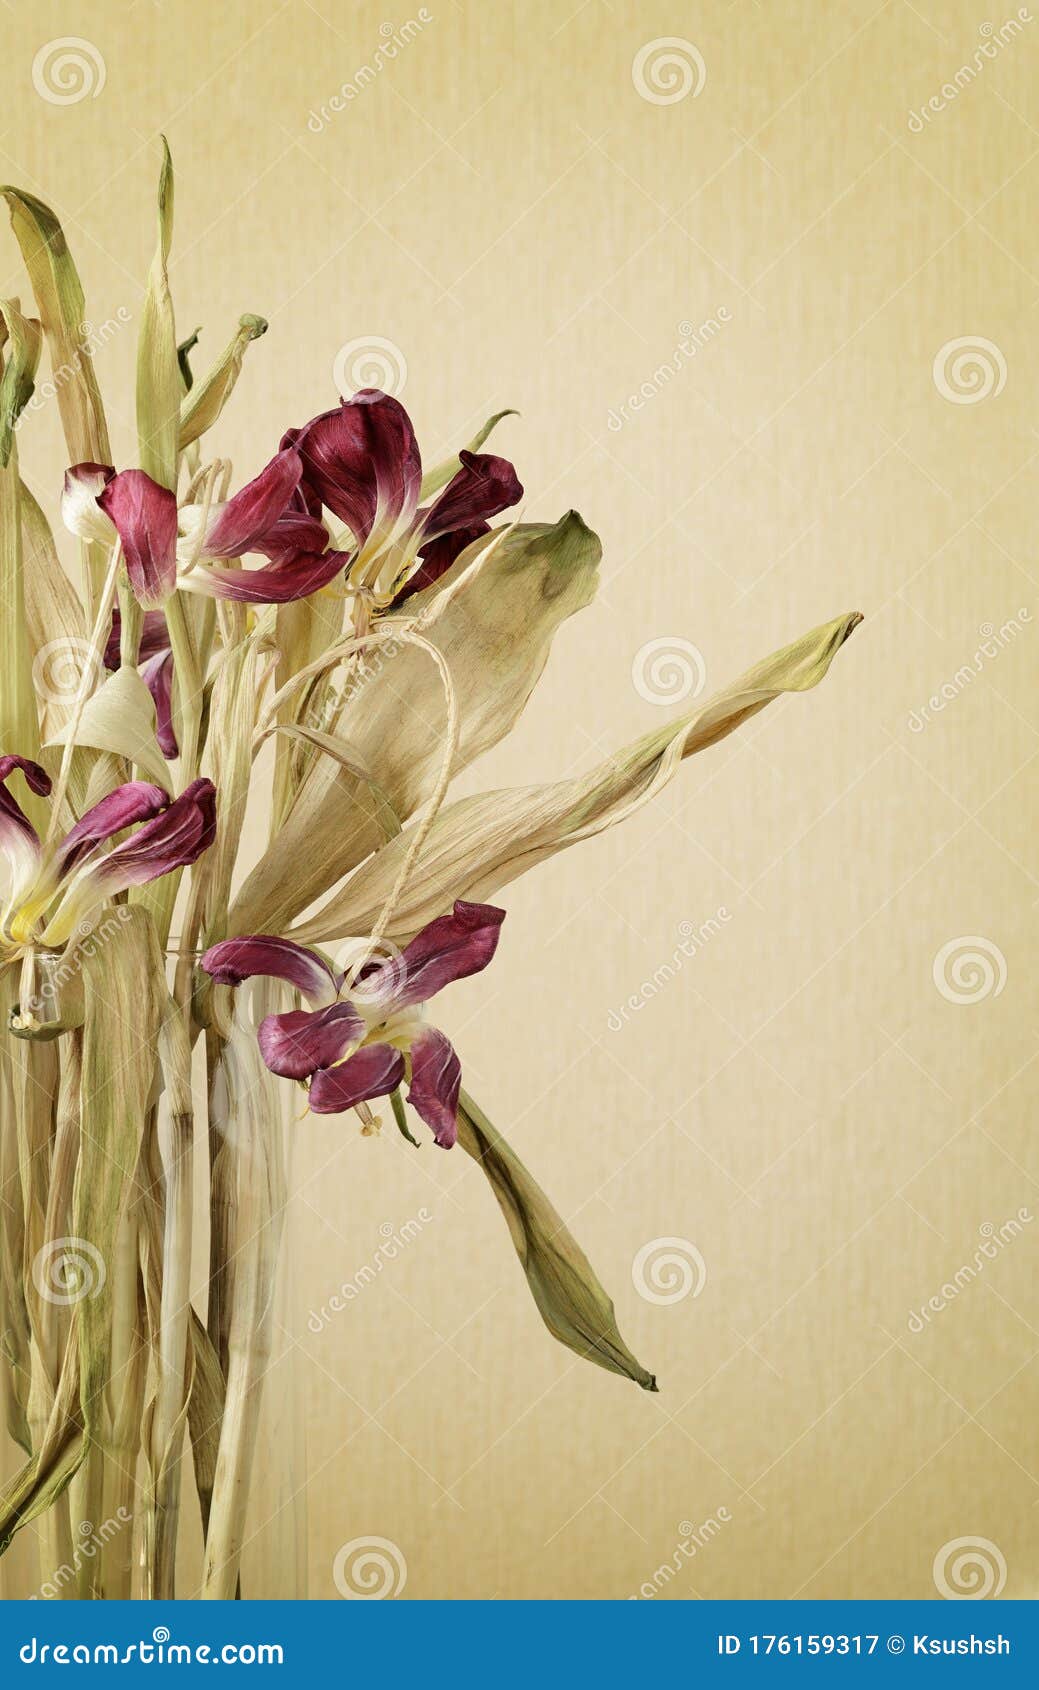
(365, 615)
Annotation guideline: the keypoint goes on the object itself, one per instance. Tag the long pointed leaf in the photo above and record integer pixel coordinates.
(570, 1299)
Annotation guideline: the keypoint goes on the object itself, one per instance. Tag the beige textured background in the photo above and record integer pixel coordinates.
(834, 1135)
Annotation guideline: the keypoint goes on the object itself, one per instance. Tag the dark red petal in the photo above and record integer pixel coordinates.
(245, 519)
(135, 801)
(373, 1071)
(436, 1079)
(157, 675)
(38, 781)
(169, 841)
(362, 461)
(234, 960)
(276, 583)
(295, 531)
(302, 1040)
(437, 558)
(155, 638)
(450, 948)
(483, 487)
(145, 516)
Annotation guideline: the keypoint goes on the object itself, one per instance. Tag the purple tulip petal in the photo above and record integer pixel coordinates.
(157, 675)
(295, 531)
(155, 638)
(362, 461)
(242, 523)
(169, 841)
(450, 948)
(437, 558)
(436, 1079)
(145, 516)
(302, 1040)
(234, 960)
(283, 582)
(373, 1071)
(19, 841)
(483, 487)
(136, 801)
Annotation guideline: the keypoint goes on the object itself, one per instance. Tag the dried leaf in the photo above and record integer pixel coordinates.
(442, 473)
(62, 309)
(159, 384)
(120, 718)
(571, 1302)
(495, 632)
(19, 723)
(124, 996)
(479, 844)
(207, 397)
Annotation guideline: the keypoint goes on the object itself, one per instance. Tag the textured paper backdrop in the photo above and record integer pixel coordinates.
(829, 1100)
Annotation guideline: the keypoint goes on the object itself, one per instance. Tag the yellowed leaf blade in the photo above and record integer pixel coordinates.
(159, 384)
(123, 996)
(19, 721)
(203, 404)
(439, 476)
(480, 844)
(495, 633)
(570, 1299)
(120, 718)
(59, 300)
